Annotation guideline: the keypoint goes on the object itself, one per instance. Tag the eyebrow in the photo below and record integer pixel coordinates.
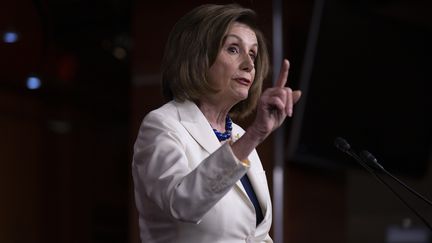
(237, 37)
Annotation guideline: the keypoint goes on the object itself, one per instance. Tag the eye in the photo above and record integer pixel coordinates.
(252, 55)
(233, 49)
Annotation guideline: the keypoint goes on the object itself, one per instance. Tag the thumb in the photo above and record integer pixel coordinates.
(296, 94)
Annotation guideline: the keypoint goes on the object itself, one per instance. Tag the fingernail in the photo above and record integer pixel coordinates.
(290, 112)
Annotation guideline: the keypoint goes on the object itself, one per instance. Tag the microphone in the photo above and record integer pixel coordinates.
(370, 159)
(342, 144)
(345, 147)
(372, 162)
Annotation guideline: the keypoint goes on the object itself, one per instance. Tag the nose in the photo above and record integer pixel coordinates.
(247, 63)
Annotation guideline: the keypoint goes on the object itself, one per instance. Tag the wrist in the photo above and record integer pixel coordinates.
(245, 162)
(254, 135)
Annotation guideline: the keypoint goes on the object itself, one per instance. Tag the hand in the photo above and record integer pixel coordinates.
(275, 104)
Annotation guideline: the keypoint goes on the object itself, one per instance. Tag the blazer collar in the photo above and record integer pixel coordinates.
(197, 125)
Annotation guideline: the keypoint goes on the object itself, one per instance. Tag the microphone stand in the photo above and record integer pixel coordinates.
(344, 146)
(368, 157)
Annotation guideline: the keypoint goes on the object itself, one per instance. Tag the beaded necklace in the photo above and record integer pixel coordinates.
(228, 129)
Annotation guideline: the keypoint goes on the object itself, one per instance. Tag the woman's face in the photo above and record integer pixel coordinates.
(233, 71)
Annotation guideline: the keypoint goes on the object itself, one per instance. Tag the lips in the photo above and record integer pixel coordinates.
(243, 81)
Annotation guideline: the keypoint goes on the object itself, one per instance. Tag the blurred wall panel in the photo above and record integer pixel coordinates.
(64, 147)
(21, 129)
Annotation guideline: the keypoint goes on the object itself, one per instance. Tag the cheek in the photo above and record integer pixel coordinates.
(215, 69)
(224, 69)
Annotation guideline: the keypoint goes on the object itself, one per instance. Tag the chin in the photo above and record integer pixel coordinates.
(243, 97)
(240, 95)
(243, 94)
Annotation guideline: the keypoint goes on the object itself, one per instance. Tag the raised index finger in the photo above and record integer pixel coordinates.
(283, 75)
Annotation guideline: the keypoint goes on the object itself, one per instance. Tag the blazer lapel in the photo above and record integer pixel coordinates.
(259, 189)
(236, 134)
(197, 125)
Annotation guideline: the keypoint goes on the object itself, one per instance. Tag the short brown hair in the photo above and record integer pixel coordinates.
(192, 48)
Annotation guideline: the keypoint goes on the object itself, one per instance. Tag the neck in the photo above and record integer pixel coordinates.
(215, 114)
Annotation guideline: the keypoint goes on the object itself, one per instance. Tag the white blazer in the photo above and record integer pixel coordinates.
(186, 182)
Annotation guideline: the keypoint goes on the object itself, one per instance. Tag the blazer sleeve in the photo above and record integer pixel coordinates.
(161, 172)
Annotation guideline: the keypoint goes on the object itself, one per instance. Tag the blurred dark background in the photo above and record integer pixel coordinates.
(77, 77)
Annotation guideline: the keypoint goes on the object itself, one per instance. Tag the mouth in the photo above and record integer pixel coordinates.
(243, 81)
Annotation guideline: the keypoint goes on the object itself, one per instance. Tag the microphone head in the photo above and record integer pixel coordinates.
(342, 144)
(371, 160)
(365, 154)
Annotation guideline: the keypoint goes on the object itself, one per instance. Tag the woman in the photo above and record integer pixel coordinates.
(197, 175)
